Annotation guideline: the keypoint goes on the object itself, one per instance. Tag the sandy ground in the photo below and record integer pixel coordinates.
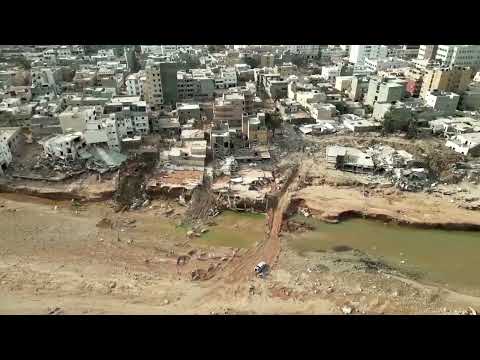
(53, 259)
(329, 202)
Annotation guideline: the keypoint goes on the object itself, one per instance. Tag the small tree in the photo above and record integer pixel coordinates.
(388, 124)
(412, 131)
(250, 61)
(273, 121)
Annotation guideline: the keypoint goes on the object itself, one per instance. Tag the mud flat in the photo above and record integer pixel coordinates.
(332, 204)
(88, 189)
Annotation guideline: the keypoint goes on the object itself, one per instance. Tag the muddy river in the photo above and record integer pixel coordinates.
(238, 230)
(448, 258)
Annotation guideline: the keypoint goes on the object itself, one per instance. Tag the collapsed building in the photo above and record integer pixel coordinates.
(246, 189)
(399, 166)
(348, 159)
(11, 141)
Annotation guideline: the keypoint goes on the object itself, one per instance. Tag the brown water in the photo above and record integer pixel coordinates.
(234, 229)
(448, 258)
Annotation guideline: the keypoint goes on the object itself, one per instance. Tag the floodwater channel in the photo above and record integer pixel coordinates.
(443, 257)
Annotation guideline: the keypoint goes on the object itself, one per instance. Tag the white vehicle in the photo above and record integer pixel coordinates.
(261, 268)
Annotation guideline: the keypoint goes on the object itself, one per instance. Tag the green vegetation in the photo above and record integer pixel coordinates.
(273, 121)
(250, 61)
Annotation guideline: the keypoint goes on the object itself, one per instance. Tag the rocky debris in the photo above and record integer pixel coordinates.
(166, 302)
(469, 311)
(105, 223)
(475, 206)
(296, 226)
(55, 311)
(182, 260)
(347, 310)
(304, 211)
(112, 284)
(168, 211)
(199, 274)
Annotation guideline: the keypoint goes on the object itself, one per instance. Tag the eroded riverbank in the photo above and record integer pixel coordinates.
(332, 203)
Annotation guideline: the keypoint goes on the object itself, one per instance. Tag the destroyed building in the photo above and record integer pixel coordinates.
(349, 159)
(357, 124)
(220, 141)
(188, 111)
(246, 189)
(11, 141)
(253, 127)
(191, 154)
(166, 126)
(466, 144)
(64, 147)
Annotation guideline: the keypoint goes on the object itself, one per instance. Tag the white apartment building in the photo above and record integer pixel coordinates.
(65, 147)
(45, 76)
(307, 50)
(343, 83)
(49, 56)
(445, 102)
(427, 52)
(135, 84)
(465, 143)
(375, 65)
(460, 55)
(321, 111)
(10, 142)
(358, 53)
(64, 51)
(329, 73)
(229, 76)
(76, 118)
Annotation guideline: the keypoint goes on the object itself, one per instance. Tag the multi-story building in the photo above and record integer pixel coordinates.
(267, 60)
(64, 51)
(427, 52)
(186, 112)
(229, 77)
(229, 109)
(132, 111)
(187, 86)
(376, 65)
(11, 141)
(329, 73)
(459, 55)
(160, 89)
(454, 79)
(310, 51)
(76, 118)
(64, 147)
(385, 90)
(442, 101)
(414, 78)
(358, 88)
(286, 69)
(470, 100)
(343, 83)
(135, 84)
(358, 53)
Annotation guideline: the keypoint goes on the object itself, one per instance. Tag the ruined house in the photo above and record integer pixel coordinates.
(64, 147)
(11, 141)
(348, 159)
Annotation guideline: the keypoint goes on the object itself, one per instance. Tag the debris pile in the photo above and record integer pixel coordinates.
(131, 187)
(411, 179)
